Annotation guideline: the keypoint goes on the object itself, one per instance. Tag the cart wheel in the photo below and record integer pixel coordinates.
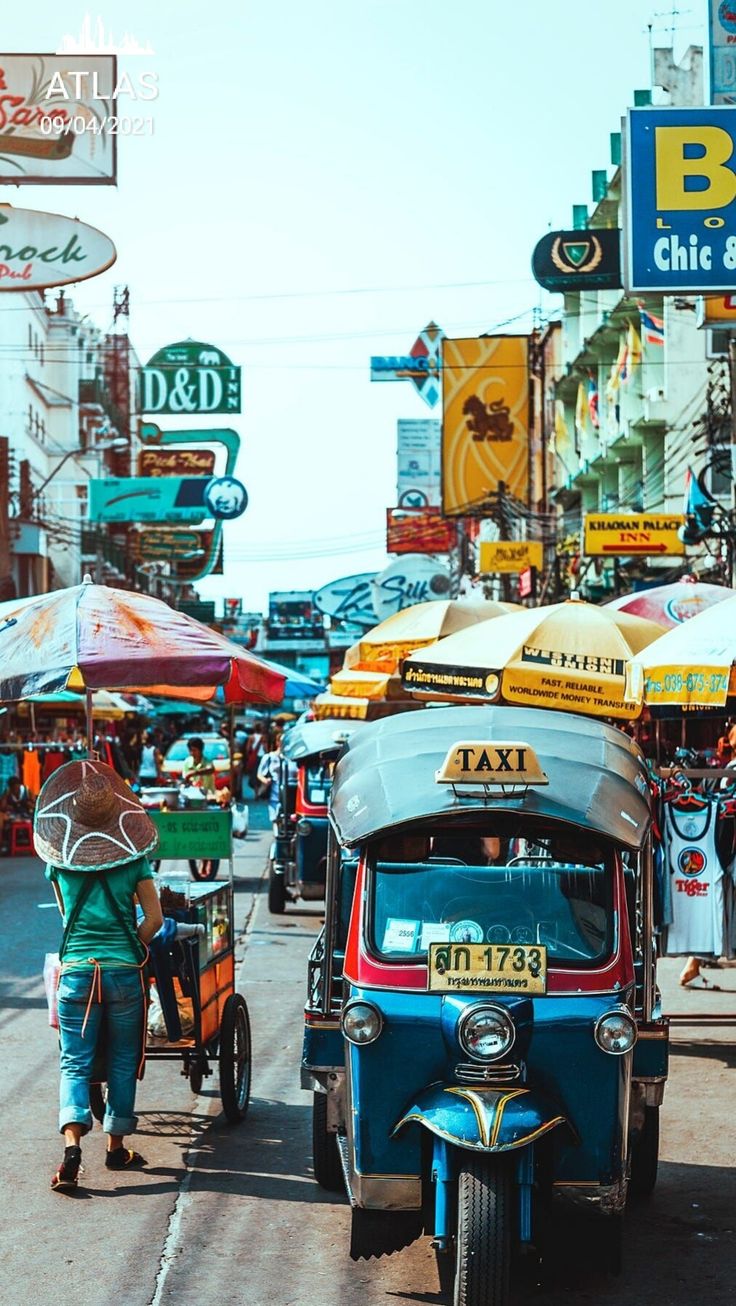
(276, 892)
(196, 1076)
(325, 1153)
(235, 1059)
(97, 1101)
(483, 1233)
(645, 1156)
(204, 868)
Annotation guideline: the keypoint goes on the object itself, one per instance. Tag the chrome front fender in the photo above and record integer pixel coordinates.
(483, 1119)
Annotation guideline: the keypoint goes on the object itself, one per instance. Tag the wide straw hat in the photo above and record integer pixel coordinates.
(87, 819)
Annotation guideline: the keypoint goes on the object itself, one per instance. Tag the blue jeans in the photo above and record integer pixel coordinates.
(122, 1011)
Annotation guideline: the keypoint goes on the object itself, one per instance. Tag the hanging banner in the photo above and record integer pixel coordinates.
(496, 557)
(176, 462)
(579, 260)
(58, 119)
(722, 51)
(166, 498)
(190, 377)
(419, 530)
(421, 365)
(40, 250)
(485, 428)
(680, 200)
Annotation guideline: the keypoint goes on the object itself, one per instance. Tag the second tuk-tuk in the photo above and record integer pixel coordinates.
(483, 1035)
(298, 857)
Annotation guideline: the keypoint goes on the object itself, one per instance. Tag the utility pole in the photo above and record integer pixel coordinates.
(732, 514)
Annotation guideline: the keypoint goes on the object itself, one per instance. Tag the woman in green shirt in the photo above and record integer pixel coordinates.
(95, 835)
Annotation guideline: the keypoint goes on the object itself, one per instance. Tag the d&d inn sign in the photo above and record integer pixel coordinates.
(190, 377)
(40, 250)
(680, 200)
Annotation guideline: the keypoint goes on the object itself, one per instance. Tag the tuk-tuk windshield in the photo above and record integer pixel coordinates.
(530, 897)
(318, 782)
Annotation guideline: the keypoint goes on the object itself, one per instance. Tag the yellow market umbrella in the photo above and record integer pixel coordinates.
(334, 705)
(693, 664)
(360, 684)
(384, 646)
(570, 656)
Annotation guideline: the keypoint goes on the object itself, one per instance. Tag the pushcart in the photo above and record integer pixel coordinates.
(206, 1020)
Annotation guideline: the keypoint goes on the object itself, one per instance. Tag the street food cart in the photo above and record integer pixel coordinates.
(483, 1035)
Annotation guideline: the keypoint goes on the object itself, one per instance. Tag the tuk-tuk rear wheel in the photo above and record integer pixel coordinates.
(482, 1269)
(325, 1152)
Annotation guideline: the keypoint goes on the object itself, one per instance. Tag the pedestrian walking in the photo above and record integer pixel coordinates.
(255, 748)
(95, 836)
(149, 771)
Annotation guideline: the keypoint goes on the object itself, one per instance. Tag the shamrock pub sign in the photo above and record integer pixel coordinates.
(190, 377)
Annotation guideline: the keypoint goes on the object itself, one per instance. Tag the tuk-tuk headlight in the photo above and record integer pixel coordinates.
(486, 1033)
(303, 827)
(615, 1032)
(361, 1022)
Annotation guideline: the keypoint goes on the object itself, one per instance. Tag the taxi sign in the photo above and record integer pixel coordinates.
(626, 534)
(481, 762)
(509, 555)
(486, 968)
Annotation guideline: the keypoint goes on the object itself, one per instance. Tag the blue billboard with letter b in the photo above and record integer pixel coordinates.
(680, 200)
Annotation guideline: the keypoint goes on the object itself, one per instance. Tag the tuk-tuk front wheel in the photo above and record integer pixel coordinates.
(235, 1059)
(325, 1152)
(645, 1156)
(482, 1268)
(276, 892)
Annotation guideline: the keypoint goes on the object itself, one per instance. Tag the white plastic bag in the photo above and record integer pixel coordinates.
(51, 972)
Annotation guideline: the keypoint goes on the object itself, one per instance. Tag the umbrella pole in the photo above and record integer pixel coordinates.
(90, 727)
(33, 720)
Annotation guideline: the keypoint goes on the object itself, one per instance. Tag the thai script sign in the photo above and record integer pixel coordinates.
(421, 365)
(498, 556)
(39, 250)
(56, 119)
(680, 200)
(419, 530)
(614, 534)
(190, 377)
(485, 438)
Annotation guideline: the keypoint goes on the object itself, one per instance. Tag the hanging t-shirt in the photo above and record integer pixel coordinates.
(32, 772)
(696, 879)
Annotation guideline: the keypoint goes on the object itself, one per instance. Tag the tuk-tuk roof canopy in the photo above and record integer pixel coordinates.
(318, 738)
(386, 778)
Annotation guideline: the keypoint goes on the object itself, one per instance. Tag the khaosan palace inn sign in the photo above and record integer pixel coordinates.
(39, 250)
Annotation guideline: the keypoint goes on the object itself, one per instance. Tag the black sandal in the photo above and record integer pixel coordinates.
(65, 1179)
(124, 1158)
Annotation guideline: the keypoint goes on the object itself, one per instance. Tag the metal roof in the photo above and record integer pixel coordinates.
(312, 738)
(386, 777)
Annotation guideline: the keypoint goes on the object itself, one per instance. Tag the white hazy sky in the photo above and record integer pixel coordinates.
(323, 179)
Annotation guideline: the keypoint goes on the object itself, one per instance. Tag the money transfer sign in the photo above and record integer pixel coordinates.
(497, 556)
(680, 200)
(166, 498)
(614, 534)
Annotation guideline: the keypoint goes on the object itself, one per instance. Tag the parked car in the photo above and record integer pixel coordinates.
(216, 751)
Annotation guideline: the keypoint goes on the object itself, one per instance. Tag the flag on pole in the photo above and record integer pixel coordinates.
(633, 353)
(652, 327)
(593, 401)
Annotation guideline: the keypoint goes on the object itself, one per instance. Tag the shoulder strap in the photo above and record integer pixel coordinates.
(73, 916)
(123, 921)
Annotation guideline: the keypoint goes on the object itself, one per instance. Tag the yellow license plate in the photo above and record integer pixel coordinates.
(487, 968)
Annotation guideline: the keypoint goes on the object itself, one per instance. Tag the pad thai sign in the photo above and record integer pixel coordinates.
(58, 119)
(39, 250)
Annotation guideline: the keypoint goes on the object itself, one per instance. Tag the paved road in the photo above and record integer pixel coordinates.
(232, 1216)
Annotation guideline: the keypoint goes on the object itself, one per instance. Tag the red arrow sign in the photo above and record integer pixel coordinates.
(634, 548)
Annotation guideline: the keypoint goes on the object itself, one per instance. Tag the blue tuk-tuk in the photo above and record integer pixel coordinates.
(483, 1035)
(298, 857)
